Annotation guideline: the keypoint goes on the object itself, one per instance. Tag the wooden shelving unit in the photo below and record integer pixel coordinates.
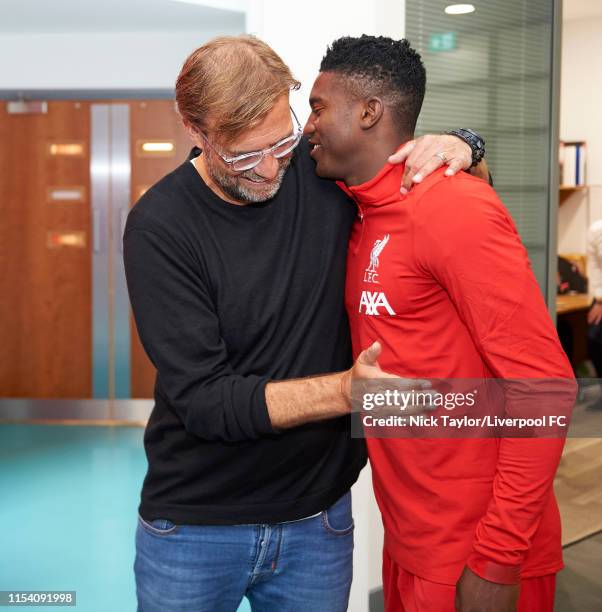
(565, 191)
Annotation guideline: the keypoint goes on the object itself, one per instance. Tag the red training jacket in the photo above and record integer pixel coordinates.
(449, 293)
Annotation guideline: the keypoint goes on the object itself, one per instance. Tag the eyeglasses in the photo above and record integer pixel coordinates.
(247, 161)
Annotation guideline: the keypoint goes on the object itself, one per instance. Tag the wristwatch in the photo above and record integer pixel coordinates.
(474, 141)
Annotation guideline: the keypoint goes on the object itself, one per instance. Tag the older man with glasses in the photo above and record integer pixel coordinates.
(232, 183)
(235, 265)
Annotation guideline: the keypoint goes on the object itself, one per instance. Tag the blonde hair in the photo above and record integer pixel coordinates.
(232, 81)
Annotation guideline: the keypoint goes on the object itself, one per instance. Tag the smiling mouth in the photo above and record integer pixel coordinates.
(315, 148)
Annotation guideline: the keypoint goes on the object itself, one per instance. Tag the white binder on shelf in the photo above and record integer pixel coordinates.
(572, 164)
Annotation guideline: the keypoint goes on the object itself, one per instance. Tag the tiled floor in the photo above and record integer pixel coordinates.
(68, 512)
(72, 513)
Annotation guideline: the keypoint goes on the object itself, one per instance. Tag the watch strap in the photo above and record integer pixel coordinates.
(473, 140)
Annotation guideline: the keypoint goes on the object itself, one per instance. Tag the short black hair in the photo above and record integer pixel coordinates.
(378, 65)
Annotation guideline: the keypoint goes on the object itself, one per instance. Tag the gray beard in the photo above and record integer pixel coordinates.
(232, 187)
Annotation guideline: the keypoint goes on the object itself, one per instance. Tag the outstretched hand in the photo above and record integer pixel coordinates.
(594, 316)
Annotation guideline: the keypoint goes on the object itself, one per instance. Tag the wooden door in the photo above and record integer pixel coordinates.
(45, 255)
(45, 242)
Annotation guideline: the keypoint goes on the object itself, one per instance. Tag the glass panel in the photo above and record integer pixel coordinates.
(490, 70)
(56, 240)
(155, 148)
(73, 149)
(66, 194)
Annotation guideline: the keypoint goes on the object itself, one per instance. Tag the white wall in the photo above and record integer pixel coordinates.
(151, 60)
(98, 60)
(300, 32)
(580, 119)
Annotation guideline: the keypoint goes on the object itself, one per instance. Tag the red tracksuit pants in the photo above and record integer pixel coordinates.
(405, 592)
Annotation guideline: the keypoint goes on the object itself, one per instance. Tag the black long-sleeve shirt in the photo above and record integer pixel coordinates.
(225, 299)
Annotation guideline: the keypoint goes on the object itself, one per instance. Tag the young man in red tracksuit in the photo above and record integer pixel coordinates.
(440, 277)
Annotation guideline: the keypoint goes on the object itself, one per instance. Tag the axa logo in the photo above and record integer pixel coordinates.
(371, 274)
(371, 301)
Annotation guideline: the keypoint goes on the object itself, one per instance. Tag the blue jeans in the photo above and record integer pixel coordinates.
(302, 566)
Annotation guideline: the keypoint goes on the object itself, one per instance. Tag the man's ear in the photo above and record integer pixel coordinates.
(192, 133)
(189, 130)
(372, 111)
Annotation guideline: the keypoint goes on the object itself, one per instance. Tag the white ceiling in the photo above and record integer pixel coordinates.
(22, 16)
(581, 9)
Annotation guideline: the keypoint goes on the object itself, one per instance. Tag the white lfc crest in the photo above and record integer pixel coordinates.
(371, 274)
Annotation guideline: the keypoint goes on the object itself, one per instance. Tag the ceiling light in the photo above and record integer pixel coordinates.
(459, 9)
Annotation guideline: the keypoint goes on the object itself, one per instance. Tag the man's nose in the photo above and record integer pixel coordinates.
(309, 129)
(267, 168)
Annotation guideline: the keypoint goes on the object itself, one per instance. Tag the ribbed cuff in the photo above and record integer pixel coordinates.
(492, 571)
(260, 415)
